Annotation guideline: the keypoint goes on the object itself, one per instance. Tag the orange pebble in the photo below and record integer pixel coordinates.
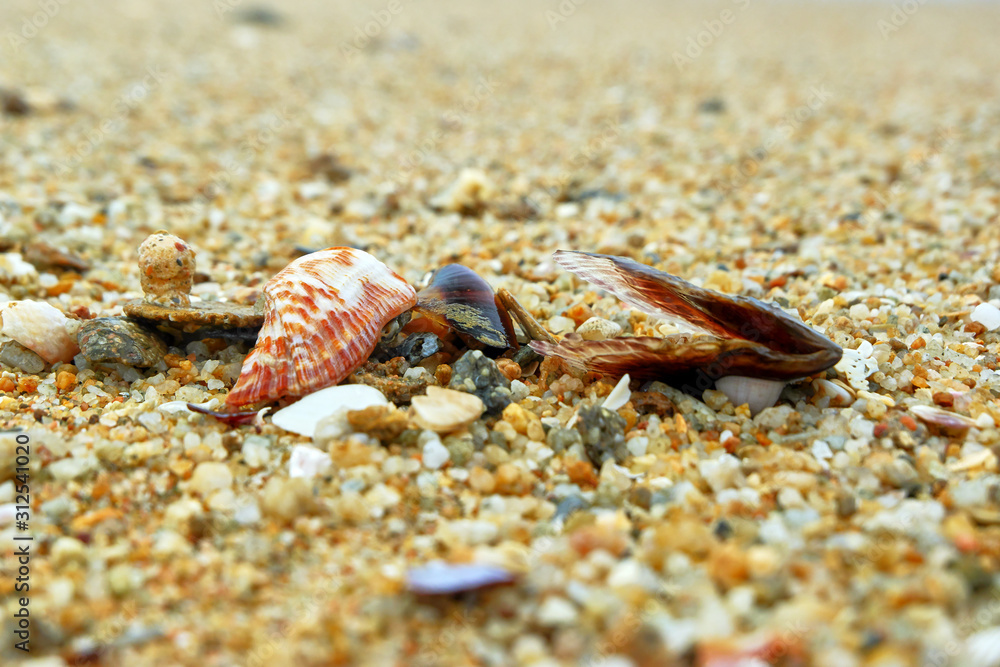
(65, 380)
(27, 384)
(581, 472)
(7, 385)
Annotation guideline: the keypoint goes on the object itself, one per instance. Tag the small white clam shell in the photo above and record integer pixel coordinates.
(755, 392)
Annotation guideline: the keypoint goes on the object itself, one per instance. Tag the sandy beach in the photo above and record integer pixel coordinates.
(836, 159)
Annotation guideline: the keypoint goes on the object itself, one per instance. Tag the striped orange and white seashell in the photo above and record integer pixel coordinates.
(324, 312)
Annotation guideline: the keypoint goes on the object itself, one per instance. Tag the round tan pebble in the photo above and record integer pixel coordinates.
(166, 269)
(481, 480)
(510, 368)
(517, 417)
(211, 476)
(511, 481)
(762, 561)
(352, 508)
(287, 498)
(598, 328)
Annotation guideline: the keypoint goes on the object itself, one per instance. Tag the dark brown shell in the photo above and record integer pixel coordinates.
(459, 298)
(744, 336)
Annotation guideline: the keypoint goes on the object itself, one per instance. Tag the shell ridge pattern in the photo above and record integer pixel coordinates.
(324, 315)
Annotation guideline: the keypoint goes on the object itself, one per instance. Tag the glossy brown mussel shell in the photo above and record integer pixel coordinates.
(460, 299)
(743, 336)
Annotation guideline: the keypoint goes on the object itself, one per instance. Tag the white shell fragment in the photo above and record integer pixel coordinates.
(173, 407)
(439, 578)
(619, 395)
(308, 462)
(446, 410)
(943, 421)
(755, 392)
(39, 327)
(598, 328)
(855, 366)
(304, 416)
(988, 315)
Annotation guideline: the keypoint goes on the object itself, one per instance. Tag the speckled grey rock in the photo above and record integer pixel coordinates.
(120, 340)
(568, 506)
(561, 439)
(17, 356)
(603, 433)
(477, 374)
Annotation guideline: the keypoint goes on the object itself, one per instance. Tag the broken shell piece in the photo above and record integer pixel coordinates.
(458, 297)
(439, 578)
(619, 396)
(839, 393)
(304, 416)
(166, 269)
(598, 328)
(232, 419)
(943, 422)
(445, 410)
(744, 336)
(205, 319)
(39, 327)
(323, 315)
(755, 392)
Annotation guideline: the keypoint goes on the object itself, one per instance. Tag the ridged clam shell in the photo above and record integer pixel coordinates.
(743, 336)
(323, 315)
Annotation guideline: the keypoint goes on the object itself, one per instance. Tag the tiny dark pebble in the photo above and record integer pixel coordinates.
(722, 530)
(847, 505)
(261, 15)
(642, 497)
(712, 105)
